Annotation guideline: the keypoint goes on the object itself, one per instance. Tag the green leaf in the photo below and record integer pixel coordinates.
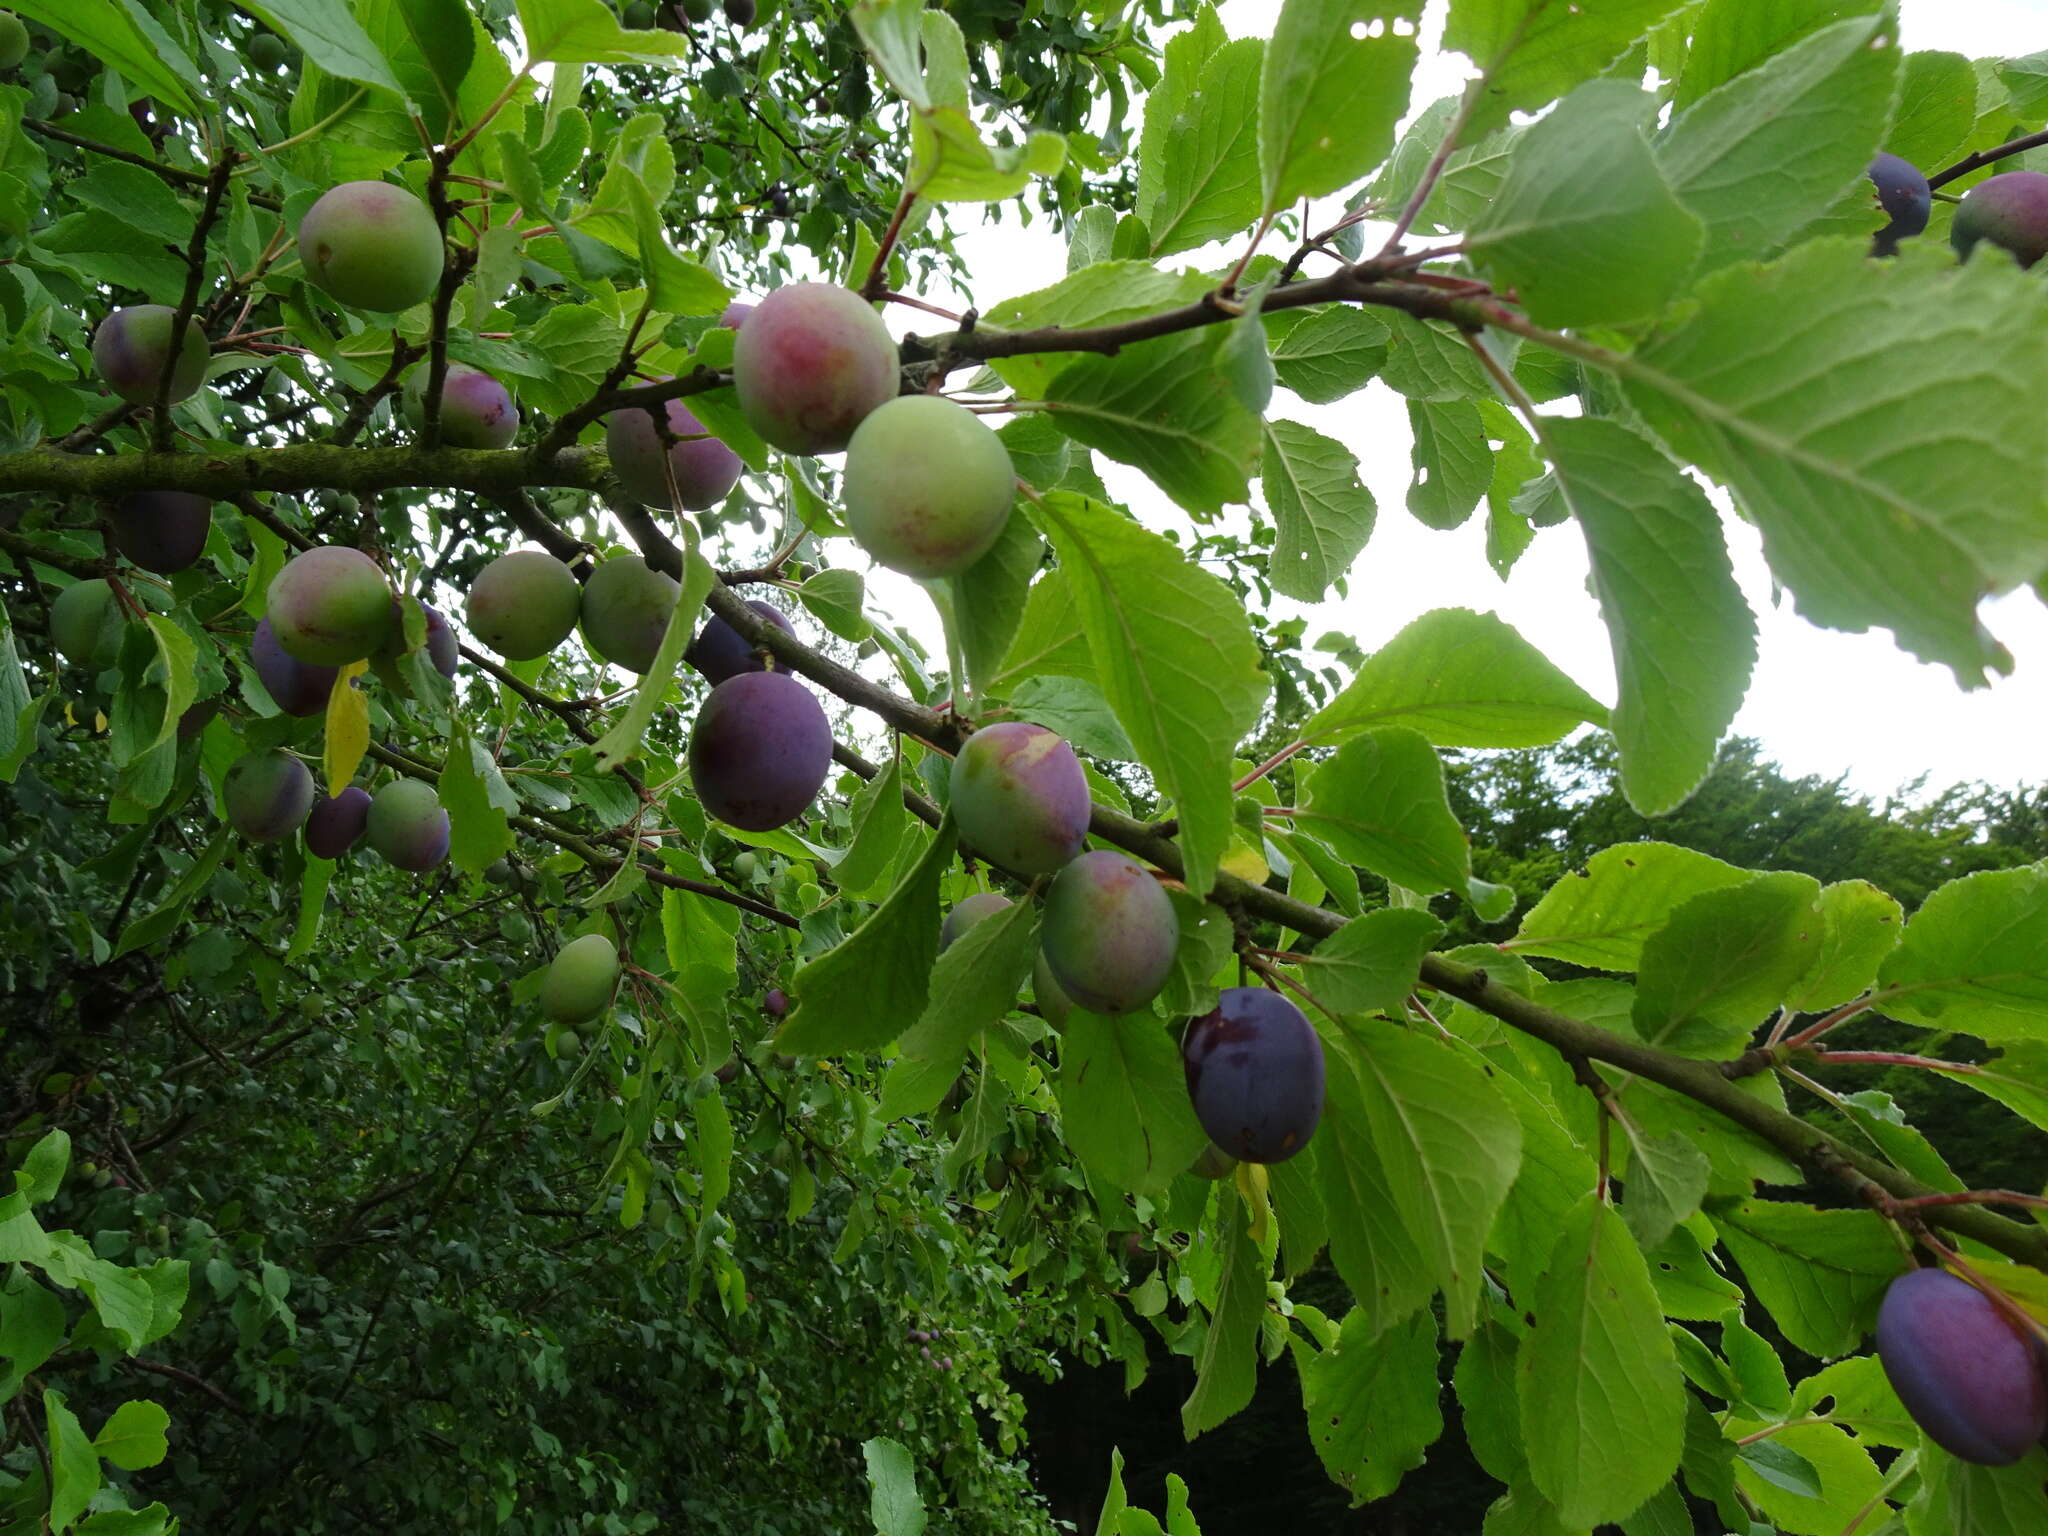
(1076, 710)
(1603, 1404)
(1326, 353)
(1602, 915)
(135, 197)
(1371, 963)
(1226, 1369)
(1762, 156)
(837, 599)
(1107, 293)
(950, 162)
(1957, 1496)
(1554, 1173)
(1811, 1477)
(1198, 168)
(74, 1467)
(1320, 506)
(1585, 228)
(879, 818)
(1175, 657)
(313, 885)
(32, 1326)
(1522, 1511)
(1453, 464)
(1380, 803)
(1124, 1102)
(1683, 637)
(1049, 638)
(160, 920)
(111, 35)
(1820, 1274)
(1666, 1180)
(1485, 1381)
(133, 1437)
(1333, 87)
(989, 597)
(1862, 534)
(1163, 407)
(439, 45)
(586, 32)
(1860, 926)
(1371, 1401)
(332, 38)
(1534, 51)
(1975, 958)
(1724, 961)
(477, 799)
(894, 1504)
(857, 994)
(1462, 679)
(621, 742)
(676, 285)
(974, 984)
(1732, 37)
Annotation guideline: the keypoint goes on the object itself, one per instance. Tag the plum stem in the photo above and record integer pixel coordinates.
(876, 284)
(1892, 1059)
(1984, 157)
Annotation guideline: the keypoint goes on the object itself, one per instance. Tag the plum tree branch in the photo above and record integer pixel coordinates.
(175, 175)
(300, 467)
(1984, 157)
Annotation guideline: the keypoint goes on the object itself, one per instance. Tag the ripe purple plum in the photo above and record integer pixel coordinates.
(775, 1003)
(87, 624)
(524, 604)
(627, 604)
(372, 246)
(443, 649)
(330, 606)
(966, 913)
(1110, 933)
(719, 651)
(928, 486)
(296, 687)
(1255, 1075)
(735, 314)
(810, 364)
(268, 794)
(704, 468)
(161, 531)
(1970, 1379)
(759, 751)
(1903, 194)
(476, 410)
(578, 986)
(407, 825)
(1020, 797)
(2009, 210)
(335, 825)
(132, 348)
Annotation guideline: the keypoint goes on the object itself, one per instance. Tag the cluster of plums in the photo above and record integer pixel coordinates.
(1969, 1371)
(2008, 210)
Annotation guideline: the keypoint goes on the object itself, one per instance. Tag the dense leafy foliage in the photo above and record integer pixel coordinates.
(609, 1140)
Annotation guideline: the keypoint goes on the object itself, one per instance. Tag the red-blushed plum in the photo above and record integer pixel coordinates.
(334, 825)
(476, 410)
(86, 623)
(968, 911)
(735, 314)
(1903, 194)
(161, 531)
(704, 468)
(1963, 1369)
(524, 604)
(759, 751)
(928, 486)
(809, 365)
(330, 606)
(132, 348)
(296, 687)
(719, 651)
(372, 246)
(1255, 1075)
(627, 604)
(2010, 210)
(408, 826)
(1110, 933)
(267, 795)
(580, 979)
(1020, 797)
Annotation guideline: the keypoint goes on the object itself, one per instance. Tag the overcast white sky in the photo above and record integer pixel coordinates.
(1821, 702)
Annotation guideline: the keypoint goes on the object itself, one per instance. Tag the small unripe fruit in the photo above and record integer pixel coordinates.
(637, 17)
(330, 606)
(86, 622)
(626, 608)
(567, 1043)
(705, 469)
(268, 794)
(719, 652)
(2009, 210)
(579, 982)
(969, 911)
(524, 604)
(335, 824)
(266, 52)
(928, 486)
(408, 826)
(132, 348)
(1020, 797)
(161, 531)
(476, 410)
(810, 364)
(13, 40)
(372, 245)
(296, 687)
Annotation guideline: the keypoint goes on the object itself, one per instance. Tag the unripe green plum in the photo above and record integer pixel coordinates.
(566, 1043)
(928, 486)
(132, 348)
(162, 531)
(740, 12)
(372, 245)
(704, 468)
(268, 795)
(524, 604)
(627, 604)
(579, 982)
(1020, 797)
(966, 913)
(2010, 210)
(476, 410)
(637, 17)
(86, 622)
(13, 40)
(698, 11)
(330, 606)
(408, 826)
(809, 365)
(1110, 933)
(266, 52)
